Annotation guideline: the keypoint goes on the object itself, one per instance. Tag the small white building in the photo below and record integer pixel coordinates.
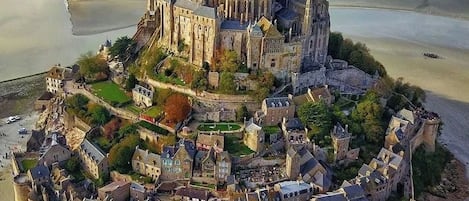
(143, 97)
(55, 79)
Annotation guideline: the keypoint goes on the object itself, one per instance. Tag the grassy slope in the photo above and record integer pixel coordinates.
(110, 91)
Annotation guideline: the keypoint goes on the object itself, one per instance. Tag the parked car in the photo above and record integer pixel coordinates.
(17, 118)
(22, 131)
(10, 120)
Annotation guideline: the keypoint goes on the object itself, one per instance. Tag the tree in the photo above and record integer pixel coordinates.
(120, 46)
(99, 114)
(227, 84)
(130, 82)
(176, 108)
(318, 117)
(368, 115)
(72, 164)
(120, 154)
(77, 102)
(335, 43)
(243, 113)
(92, 67)
(161, 95)
(199, 82)
(228, 61)
(111, 127)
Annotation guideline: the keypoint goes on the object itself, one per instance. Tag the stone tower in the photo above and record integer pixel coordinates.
(293, 163)
(430, 132)
(340, 141)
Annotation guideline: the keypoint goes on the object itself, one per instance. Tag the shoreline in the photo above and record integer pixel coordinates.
(391, 8)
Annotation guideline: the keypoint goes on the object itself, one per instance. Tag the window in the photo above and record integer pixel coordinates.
(272, 64)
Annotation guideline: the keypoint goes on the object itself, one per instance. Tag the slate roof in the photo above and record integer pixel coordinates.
(193, 193)
(137, 187)
(354, 192)
(252, 128)
(144, 91)
(186, 4)
(211, 140)
(278, 102)
(308, 166)
(294, 123)
(205, 11)
(233, 25)
(287, 14)
(169, 151)
(113, 186)
(39, 171)
(92, 151)
(147, 157)
(231, 179)
(332, 197)
(407, 115)
(56, 73)
(340, 132)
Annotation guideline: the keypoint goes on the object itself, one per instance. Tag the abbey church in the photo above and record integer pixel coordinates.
(276, 35)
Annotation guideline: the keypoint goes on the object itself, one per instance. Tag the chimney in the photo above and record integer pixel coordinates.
(346, 128)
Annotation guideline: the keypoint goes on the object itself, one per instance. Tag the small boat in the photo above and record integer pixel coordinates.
(431, 55)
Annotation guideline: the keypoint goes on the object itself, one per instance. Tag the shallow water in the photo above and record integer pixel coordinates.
(37, 34)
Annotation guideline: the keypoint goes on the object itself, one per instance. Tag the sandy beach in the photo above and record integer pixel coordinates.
(98, 16)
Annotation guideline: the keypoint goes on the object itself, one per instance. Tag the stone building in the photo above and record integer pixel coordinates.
(253, 136)
(320, 94)
(142, 96)
(39, 175)
(294, 190)
(340, 141)
(275, 109)
(146, 163)
(92, 159)
(138, 192)
(55, 79)
(177, 160)
(54, 153)
(301, 164)
(295, 133)
(211, 140)
(116, 191)
(212, 167)
(278, 36)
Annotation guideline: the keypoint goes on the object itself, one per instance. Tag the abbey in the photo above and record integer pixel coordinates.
(275, 35)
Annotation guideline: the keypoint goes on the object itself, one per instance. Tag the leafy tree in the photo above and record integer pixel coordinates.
(368, 115)
(318, 117)
(335, 42)
(404, 95)
(72, 164)
(120, 154)
(92, 67)
(111, 127)
(161, 95)
(99, 114)
(120, 46)
(77, 102)
(228, 61)
(227, 84)
(199, 82)
(176, 108)
(242, 113)
(130, 82)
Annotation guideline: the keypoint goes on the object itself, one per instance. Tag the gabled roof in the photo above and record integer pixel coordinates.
(211, 140)
(92, 151)
(39, 171)
(205, 11)
(56, 73)
(233, 25)
(147, 157)
(114, 186)
(144, 91)
(137, 187)
(318, 93)
(407, 115)
(186, 4)
(354, 192)
(193, 193)
(268, 28)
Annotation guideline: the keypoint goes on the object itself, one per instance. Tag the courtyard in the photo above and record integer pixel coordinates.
(110, 92)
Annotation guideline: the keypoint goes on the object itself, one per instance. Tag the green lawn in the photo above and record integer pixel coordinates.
(234, 146)
(110, 92)
(153, 127)
(154, 111)
(134, 109)
(168, 79)
(212, 186)
(218, 127)
(28, 164)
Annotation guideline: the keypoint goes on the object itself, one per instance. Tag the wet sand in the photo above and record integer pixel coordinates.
(445, 80)
(98, 16)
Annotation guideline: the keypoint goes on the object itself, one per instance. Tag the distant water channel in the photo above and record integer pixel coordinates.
(36, 34)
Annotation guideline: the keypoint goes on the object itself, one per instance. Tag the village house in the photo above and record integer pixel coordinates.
(55, 79)
(253, 136)
(43, 101)
(142, 96)
(340, 141)
(53, 150)
(300, 163)
(192, 194)
(212, 167)
(294, 190)
(115, 191)
(207, 141)
(294, 132)
(275, 109)
(92, 159)
(39, 175)
(320, 94)
(177, 161)
(138, 192)
(347, 192)
(145, 163)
